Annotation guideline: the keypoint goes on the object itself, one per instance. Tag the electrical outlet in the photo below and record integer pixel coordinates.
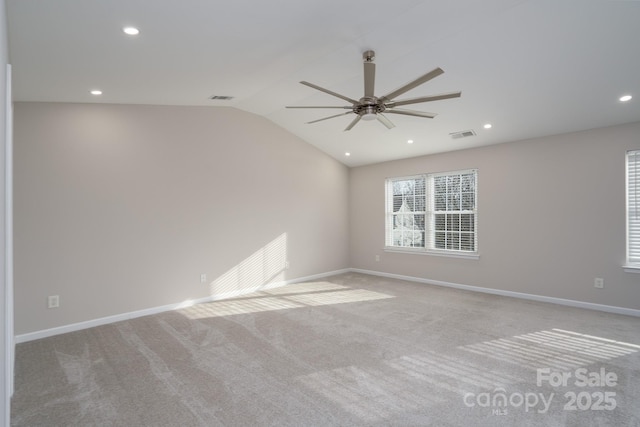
(203, 278)
(53, 301)
(377, 258)
(598, 282)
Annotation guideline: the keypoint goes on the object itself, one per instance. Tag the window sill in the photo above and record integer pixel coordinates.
(447, 254)
(631, 268)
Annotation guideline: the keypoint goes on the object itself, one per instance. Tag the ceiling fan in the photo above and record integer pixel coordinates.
(371, 107)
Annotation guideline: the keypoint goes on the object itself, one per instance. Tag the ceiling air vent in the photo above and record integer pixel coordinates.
(221, 97)
(462, 134)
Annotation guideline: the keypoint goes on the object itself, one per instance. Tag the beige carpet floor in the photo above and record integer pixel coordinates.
(351, 350)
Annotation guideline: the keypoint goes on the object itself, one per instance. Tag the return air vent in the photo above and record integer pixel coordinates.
(462, 134)
(221, 97)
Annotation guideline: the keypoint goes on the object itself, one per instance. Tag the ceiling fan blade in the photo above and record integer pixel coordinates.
(348, 107)
(411, 113)
(412, 84)
(354, 122)
(382, 119)
(424, 99)
(321, 89)
(330, 117)
(369, 79)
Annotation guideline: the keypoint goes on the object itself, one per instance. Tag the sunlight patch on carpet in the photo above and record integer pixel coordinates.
(298, 297)
(301, 288)
(555, 348)
(338, 297)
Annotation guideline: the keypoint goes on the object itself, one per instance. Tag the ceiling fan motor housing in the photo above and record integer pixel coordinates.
(369, 107)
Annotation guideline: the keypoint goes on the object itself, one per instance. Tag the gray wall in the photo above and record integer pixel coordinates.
(121, 208)
(551, 217)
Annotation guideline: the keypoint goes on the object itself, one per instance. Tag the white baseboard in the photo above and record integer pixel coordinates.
(560, 301)
(154, 310)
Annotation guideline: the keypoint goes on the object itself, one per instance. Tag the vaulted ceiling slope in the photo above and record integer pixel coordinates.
(529, 67)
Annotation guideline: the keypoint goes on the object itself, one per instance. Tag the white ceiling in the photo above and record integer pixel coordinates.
(529, 67)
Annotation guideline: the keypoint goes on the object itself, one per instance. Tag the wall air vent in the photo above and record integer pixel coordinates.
(462, 134)
(221, 97)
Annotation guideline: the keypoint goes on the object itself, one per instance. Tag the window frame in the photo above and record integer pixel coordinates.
(429, 239)
(632, 210)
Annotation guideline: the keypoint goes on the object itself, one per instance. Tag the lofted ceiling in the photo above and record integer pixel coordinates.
(529, 67)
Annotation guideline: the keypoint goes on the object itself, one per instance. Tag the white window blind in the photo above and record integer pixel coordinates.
(454, 211)
(432, 213)
(633, 209)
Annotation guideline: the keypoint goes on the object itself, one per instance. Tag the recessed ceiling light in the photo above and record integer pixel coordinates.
(487, 126)
(410, 141)
(132, 31)
(347, 154)
(96, 92)
(626, 98)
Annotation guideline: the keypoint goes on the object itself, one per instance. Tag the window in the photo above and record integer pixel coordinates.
(432, 213)
(633, 210)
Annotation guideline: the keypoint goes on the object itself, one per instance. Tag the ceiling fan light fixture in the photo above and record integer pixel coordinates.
(368, 112)
(131, 31)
